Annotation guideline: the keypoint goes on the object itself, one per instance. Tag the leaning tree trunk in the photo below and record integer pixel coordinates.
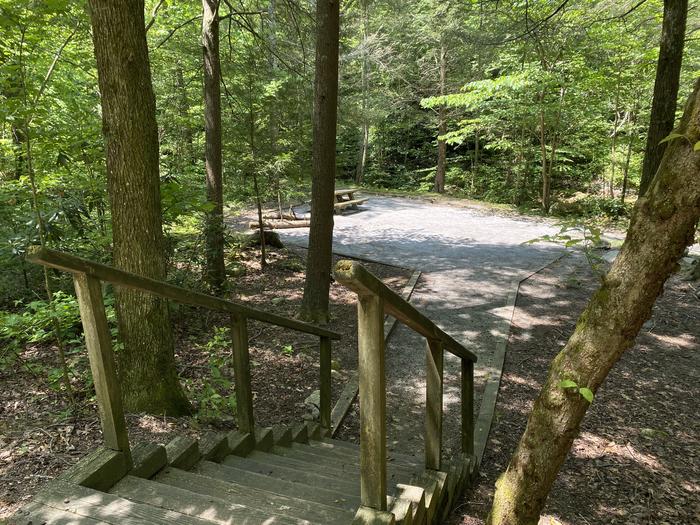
(663, 224)
(439, 186)
(147, 362)
(314, 305)
(668, 73)
(214, 221)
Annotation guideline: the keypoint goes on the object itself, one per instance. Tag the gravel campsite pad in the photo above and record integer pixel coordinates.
(471, 259)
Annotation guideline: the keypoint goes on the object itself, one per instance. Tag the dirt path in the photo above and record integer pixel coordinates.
(636, 460)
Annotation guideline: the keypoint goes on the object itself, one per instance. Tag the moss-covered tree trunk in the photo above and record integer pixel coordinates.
(214, 221)
(318, 264)
(147, 363)
(662, 225)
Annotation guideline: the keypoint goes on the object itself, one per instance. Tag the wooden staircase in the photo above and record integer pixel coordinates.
(285, 476)
(254, 476)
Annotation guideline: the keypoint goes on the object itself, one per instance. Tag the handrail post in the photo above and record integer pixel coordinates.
(467, 407)
(98, 340)
(370, 334)
(241, 371)
(433, 404)
(325, 383)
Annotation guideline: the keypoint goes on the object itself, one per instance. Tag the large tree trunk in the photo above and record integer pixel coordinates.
(439, 186)
(663, 224)
(318, 264)
(147, 362)
(214, 222)
(668, 73)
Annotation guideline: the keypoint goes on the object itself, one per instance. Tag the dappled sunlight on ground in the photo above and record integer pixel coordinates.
(637, 459)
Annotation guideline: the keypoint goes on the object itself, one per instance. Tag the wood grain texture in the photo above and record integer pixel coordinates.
(467, 382)
(358, 279)
(433, 404)
(98, 340)
(241, 371)
(73, 264)
(370, 326)
(325, 383)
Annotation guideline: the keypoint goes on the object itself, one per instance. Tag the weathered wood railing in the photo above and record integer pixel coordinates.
(375, 300)
(88, 277)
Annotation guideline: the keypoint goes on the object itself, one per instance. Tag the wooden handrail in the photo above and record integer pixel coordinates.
(88, 277)
(358, 279)
(374, 300)
(73, 264)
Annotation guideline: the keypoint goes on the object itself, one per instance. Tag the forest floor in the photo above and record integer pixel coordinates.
(41, 436)
(637, 458)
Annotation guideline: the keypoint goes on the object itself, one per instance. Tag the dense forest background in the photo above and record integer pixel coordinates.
(522, 94)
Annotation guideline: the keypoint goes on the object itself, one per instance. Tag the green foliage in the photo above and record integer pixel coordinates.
(35, 324)
(585, 392)
(215, 397)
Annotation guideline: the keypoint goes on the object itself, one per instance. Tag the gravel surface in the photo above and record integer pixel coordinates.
(471, 259)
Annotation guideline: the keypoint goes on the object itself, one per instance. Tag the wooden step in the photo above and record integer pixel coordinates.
(341, 463)
(207, 508)
(329, 450)
(268, 466)
(107, 508)
(35, 513)
(259, 499)
(319, 494)
(354, 449)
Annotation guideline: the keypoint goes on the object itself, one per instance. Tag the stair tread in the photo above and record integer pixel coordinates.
(33, 513)
(261, 499)
(207, 508)
(341, 468)
(353, 456)
(322, 468)
(275, 467)
(353, 449)
(107, 508)
(323, 495)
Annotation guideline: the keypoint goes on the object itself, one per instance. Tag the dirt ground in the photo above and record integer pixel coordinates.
(637, 459)
(40, 436)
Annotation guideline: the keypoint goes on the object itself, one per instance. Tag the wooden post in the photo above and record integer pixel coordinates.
(98, 340)
(433, 404)
(325, 383)
(370, 335)
(241, 371)
(467, 407)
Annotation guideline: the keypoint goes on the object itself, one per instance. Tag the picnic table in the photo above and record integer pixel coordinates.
(345, 198)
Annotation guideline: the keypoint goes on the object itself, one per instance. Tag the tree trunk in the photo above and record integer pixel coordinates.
(668, 72)
(314, 305)
(254, 160)
(625, 173)
(442, 127)
(274, 66)
(662, 225)
(214, 220)
(185, 132)
(147, 363)
(543, 149)
(364, 145)
(613, 142)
